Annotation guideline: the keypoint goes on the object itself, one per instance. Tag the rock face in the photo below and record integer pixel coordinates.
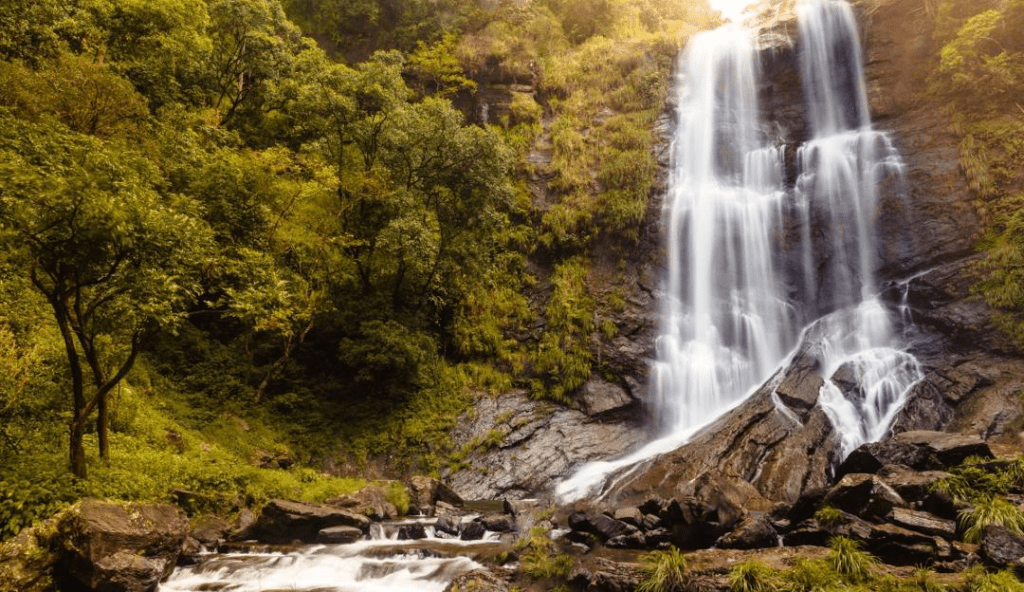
(538, 444)
(110, 547)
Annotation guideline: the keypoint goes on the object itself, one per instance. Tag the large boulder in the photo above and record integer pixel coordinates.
(120, 547)
(865, 496)
(426, 492)
(1001, 548)
(284, 521)
(371, 501)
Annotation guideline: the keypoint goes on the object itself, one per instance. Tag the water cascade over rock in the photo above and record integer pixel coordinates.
(754, 252)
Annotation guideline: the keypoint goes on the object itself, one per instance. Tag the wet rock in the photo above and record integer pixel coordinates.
(541, 445)
(753, 532)
(1000, 548)
(925, 409)
(343, 535)
(865, 496)
(801, 384)
(449, 525)
(371, 501)
(923, 522)
(900, 546)
(211, 530)
(284, 521)
(871, 457)
(474, 531)
(599, 396)
(120, 547)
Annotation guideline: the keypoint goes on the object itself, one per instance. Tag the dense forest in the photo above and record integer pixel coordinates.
(241, 236)
(227, 245)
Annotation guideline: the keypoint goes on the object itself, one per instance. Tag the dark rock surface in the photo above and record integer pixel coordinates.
(284, 521)
(113, 547)
(370, 501)
(1000, 548)
(342, 535)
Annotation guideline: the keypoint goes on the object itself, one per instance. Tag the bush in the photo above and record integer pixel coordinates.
(752, 576)
(848, 560)
(990, 510)
(665, 571)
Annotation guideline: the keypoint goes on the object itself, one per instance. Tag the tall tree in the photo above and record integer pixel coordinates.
(84, 221)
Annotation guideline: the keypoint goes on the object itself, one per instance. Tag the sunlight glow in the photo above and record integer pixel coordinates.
(731, 9)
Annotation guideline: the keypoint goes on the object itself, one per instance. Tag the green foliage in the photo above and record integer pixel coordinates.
(828, 516)
(979, 478)
(563, 354)
(979, 580)
(536, 553)
(848, 559)
(665, 571)
(990, 510)
(752, 576)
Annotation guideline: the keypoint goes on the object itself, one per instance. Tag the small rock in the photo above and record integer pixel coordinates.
(631, 516)
(474, 531)
(449, 525)
(412, 532)
(633, 540)
(210, 530)
(598, 396)
(498, 522)
(340, 535)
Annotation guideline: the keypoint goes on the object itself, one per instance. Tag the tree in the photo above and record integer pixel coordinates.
(112, 256)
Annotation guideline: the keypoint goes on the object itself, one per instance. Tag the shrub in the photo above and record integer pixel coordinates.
(752, 576)
(990, 510)
(665, 571)
(849, 560)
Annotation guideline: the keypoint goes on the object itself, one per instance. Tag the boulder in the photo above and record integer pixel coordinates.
(865, 496)
(474, 531)
(753, 532)
(629, 515)
(113, 547)
(412, 532)
(1001, 549)
(27, 560)
(923, 522)
(723, 499)
(498, 522)
(630, 540)
(284, 521)
(913, 486)
(425, 492)
(448, 525)
(604, 527)
(871, 457)
(949, 449)
(245, 526)
(371, 501)
(341, 535)
(211, 530)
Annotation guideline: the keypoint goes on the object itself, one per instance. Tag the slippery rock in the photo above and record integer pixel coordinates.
(120, 547)
(541, 444)
(342, 535)
(448, 525)
(802, 382)
(284, 521)
(474, 531)
(498, 522)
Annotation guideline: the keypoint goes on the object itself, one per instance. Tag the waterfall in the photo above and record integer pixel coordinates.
(732, 311)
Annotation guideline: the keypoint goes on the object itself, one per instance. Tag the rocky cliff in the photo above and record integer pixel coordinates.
(780, 440)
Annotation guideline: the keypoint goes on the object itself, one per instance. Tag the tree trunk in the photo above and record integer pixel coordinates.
(77, 450)
(101, 428)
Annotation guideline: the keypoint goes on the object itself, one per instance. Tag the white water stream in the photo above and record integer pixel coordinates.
(380, 563)
(735, 297)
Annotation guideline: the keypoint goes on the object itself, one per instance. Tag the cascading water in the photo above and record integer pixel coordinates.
(731, 310)
(380, 563)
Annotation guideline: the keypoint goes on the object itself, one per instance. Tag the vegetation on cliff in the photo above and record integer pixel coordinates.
(225, 245)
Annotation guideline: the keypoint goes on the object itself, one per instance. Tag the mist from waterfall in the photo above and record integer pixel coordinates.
(732, 311)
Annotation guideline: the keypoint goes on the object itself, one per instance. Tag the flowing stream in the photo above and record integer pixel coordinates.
(743, 289)
(380, 563)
